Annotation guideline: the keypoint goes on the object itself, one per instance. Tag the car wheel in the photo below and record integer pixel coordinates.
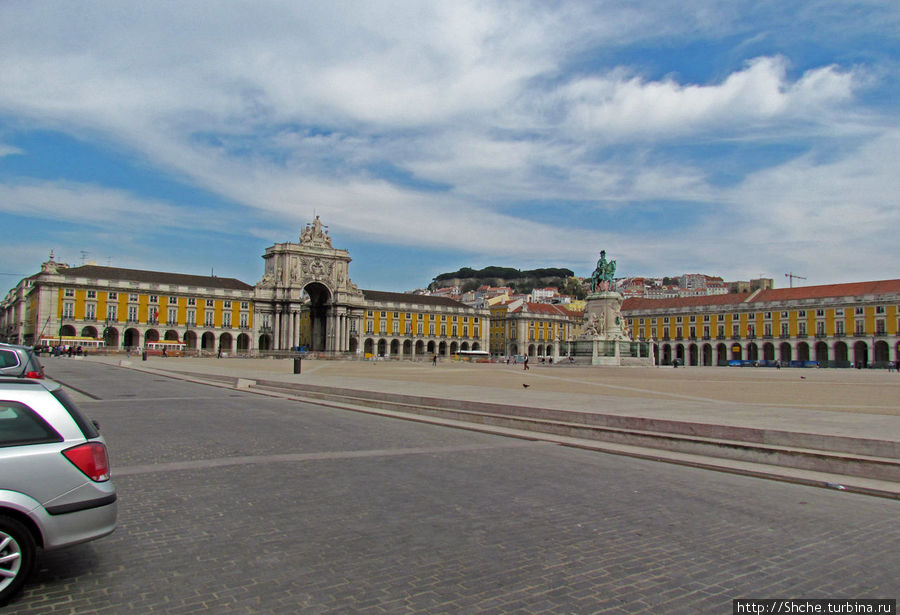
(17, 557)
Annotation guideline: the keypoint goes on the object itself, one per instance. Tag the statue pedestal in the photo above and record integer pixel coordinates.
(606, 341)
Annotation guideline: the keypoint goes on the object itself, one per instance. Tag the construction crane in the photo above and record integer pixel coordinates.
(792, 277)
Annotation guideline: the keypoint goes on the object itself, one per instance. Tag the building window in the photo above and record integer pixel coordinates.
(784, 314)
(801, 314)
(227, 305)
(751, 330)
(431, 329)
(191, 319)
(860, 311)
(154, 298)
(369, 314)
(68, 310)
(132, 313)
(113, 296)
(879, 327)
(70, 292)
(112, 312)
(132, 297)
(226, 319)
(192, 301)
(860, 327)
(384, 314)
(801, 328)
(453, 331)
(396, 327)
(784, 329)
(820, 328)
(839, 311)
(879, 309)
(92, 294)
(820, 312)
(245, 319)
(210, 303)
(443, 330)
(173, 316)
(383, 327)
(420, 328)
(768, 315)
(839, 327)
(370, 327)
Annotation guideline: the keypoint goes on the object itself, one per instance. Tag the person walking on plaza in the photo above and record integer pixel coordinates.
(525, 363)
(434, 361)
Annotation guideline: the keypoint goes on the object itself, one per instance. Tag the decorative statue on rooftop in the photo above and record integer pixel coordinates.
(604, 274)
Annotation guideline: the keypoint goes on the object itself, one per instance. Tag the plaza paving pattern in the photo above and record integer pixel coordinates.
(238, 503)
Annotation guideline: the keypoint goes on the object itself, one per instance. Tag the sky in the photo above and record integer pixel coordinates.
(736, 138)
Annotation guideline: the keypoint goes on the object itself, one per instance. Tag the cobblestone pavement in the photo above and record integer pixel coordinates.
(234, 503)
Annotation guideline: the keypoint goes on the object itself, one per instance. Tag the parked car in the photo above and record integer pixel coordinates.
(55, 488)
(19, 361)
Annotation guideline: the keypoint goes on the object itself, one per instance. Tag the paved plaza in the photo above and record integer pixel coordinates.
(232, 502)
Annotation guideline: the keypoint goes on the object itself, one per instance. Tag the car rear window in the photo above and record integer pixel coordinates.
(86, 427)
(8, 359)
(20, 425)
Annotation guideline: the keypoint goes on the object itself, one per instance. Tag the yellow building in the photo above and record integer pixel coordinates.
(833, 325)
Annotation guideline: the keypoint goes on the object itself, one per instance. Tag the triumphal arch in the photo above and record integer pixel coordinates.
(308, 276)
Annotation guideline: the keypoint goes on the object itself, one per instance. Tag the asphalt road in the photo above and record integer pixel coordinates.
(236, 503)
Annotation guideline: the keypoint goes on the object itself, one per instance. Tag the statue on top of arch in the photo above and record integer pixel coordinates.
(315, 236)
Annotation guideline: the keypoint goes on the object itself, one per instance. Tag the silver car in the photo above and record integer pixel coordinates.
(55, 489)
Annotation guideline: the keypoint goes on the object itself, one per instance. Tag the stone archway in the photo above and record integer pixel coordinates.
(89, 332)
(784, 352)
(319, 300)
(131, 338)
(821, 353)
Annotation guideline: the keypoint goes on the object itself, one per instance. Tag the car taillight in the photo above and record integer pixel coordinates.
(37, 375)
(91, 459)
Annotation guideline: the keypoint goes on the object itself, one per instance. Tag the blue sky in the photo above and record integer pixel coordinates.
(731, 138)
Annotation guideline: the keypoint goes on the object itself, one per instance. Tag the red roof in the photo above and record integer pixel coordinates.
(852, 289)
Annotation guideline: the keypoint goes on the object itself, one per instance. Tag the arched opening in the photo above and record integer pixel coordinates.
(208, 341)
(707, 355)
(407, 347)
(666, 354)
(464, 346)
(442, 349)
(768, 351)
(454, 347)
(679, 353)
(721, 354)
(354, 345)
(692, 354)
(243, 342)
(420, 347)
(476, 346)
(880, 355)
(152, 335)
(111, 337)
(860, 354)
(431, 347)
(752, 352)
(369, 346)
(395, 347)
(514, 349)
(131, 338)
(89, 332)
(803, 351)
(784, 352)
(382, 347)
(171, 335)
(841, 355)
(226, 342)
(264, 342)
(319, 300)
(821, 353)
(190, 340)
(67, 330)
(737, 353)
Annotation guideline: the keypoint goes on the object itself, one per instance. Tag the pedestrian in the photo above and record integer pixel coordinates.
(165, 352)
(525, 363)
(434, 361)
